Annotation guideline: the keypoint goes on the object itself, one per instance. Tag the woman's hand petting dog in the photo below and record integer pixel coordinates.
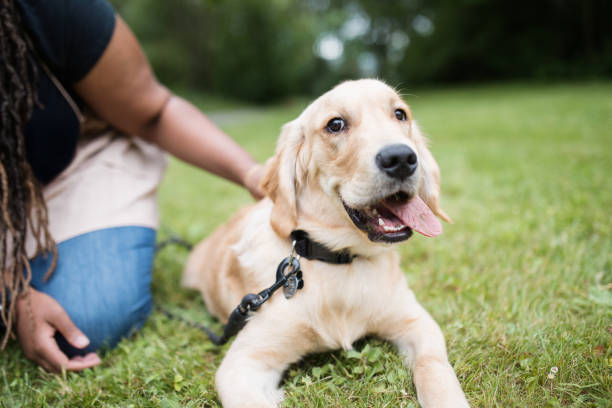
(252, 181)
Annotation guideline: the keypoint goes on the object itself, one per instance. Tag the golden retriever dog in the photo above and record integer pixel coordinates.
(353, 171)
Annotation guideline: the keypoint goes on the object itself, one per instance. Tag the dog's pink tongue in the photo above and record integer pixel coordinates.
(417, 215)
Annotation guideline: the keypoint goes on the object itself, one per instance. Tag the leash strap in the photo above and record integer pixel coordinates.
(288, 276)
(290, 282)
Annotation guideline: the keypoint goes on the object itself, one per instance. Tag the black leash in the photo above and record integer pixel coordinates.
(291, 282)
(288, 276)
(173, 240)
(173, 316)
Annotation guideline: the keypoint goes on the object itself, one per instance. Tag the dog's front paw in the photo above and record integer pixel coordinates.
(239, 398)
(437, 385)
(240, 387)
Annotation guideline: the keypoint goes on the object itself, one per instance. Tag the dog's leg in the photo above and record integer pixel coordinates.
(421, 343)
(251, 371)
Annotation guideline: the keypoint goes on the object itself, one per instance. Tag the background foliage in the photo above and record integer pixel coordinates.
(266, 50)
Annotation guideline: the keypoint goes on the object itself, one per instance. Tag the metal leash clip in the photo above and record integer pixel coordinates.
(292, 279)
(291, 282)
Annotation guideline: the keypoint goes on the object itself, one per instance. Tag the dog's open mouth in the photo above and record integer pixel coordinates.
(393, 218)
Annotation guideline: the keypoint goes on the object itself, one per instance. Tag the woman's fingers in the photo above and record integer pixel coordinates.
(62, 322)
(48, 353)
(82, 362)
(53, 359)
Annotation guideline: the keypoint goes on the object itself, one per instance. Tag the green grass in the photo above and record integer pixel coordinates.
(519, 284)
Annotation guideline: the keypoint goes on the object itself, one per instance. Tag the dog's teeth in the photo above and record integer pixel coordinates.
(381, 222)
(391, 228)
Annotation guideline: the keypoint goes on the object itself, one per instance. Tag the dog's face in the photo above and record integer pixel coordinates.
(357, 149)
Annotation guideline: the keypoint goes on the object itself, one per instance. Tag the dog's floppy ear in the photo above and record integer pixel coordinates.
(429, 190)
(280, 180)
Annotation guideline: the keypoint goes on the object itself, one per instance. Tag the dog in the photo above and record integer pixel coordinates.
(353, 172)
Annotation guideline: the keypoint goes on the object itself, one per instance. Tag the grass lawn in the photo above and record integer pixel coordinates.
(521, 283)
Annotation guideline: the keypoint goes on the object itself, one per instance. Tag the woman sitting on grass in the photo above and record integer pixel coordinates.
(84, 122)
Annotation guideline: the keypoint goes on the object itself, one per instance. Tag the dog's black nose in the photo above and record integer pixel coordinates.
(398, 161)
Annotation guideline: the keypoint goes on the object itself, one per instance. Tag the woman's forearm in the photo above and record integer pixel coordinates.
(182, 130)
(122, 90)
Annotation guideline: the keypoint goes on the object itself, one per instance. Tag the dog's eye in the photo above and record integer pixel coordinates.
(335, 125)
(400, 114)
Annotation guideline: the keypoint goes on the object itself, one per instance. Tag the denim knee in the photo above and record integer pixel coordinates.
(111, 322)
(102, 280)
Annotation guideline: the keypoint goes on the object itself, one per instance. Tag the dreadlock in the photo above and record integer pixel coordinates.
(22, 206)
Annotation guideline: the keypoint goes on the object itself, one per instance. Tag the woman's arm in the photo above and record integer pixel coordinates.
(123, 90)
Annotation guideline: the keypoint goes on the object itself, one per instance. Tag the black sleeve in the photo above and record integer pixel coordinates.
(70, 35)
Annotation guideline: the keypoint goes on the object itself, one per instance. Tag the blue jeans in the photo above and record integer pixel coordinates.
(102, 280)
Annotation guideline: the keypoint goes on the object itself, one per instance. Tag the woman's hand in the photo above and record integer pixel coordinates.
(252, 181)
(36, 333)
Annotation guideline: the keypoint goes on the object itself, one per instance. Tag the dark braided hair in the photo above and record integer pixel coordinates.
(22, 207)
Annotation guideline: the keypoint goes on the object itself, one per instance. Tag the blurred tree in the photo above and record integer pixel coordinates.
(486, 39)
(265, 50)
(245, 48)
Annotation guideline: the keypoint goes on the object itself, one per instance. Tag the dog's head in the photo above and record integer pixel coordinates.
(354, 158)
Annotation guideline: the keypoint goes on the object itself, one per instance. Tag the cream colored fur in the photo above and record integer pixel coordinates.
(310, 175)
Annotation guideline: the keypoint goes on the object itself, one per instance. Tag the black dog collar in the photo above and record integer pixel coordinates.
(309, 249)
